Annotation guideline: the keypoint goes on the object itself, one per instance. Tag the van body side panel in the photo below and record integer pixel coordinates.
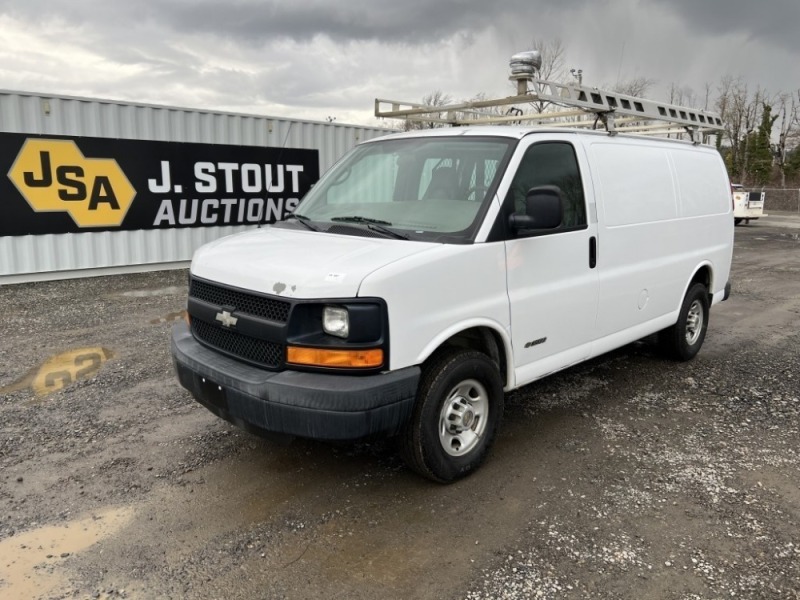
(701, 183)
(451, 288)
(705, 204)
(658, 223)
(635, 183)
(639, 234)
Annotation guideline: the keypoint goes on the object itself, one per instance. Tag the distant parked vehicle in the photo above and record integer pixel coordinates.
(747, 206)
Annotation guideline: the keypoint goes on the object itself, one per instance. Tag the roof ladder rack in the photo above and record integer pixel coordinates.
(585, 106)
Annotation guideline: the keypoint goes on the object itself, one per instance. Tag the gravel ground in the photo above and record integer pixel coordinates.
(626, 477)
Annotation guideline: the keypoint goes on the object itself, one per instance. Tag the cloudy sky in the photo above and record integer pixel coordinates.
(319, 58)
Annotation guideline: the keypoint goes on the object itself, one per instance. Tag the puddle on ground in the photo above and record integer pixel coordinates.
(60, 370)
(31, 562)
(170, 317)
(167, 291)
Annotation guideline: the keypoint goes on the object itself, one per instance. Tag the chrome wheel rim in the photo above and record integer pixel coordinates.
(463, 418)
(694, 322)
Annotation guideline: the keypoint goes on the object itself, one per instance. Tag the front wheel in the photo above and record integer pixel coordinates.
(459, 407)
(683, 340)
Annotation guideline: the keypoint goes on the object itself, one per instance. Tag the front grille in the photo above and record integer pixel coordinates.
(261, 352)
(251, 304)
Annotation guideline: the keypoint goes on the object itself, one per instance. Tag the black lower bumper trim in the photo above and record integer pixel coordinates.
(310, 405)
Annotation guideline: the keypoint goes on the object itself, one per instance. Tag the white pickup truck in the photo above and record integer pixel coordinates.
(747, 206)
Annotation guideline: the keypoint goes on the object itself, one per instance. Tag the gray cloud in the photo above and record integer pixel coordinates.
(390, 21)
(769, 21)
(322, 57)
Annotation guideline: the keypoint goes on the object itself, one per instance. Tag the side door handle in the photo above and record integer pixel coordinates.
(592, 252)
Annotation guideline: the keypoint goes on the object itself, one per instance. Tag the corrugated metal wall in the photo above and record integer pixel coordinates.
(54, 255)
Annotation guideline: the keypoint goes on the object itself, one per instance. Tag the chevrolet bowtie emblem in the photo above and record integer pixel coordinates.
(226, 318)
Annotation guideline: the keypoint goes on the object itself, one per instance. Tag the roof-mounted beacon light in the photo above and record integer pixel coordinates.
(524, 66)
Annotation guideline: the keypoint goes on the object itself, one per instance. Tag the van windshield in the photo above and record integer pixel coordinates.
(424, 188)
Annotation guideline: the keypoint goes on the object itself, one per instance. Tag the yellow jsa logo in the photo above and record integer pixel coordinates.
(55, 176)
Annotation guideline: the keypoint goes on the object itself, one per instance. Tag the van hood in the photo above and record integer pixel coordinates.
(298, 264)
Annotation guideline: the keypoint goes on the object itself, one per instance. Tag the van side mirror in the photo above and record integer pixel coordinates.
(543, 209)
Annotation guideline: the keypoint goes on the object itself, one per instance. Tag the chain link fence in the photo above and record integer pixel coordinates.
(780, 199)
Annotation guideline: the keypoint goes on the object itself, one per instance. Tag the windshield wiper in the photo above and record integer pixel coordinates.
(304, 220)
(373, 225)
(387, 231)
(358, 219)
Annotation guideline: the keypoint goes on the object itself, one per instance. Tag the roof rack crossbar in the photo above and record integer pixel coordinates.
(585, 107)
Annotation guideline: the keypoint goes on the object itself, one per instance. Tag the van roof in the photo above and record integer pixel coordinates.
(519, 131)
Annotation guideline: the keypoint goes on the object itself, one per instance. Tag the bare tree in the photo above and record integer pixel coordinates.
(760, 156)
(706, 95)
(788, 109)
(554, 59)
(435, 99)
(684, 96)
(553, 67)
(489, 111)
(740, 112)
(637, 86)
(752, 109)
(731, 119)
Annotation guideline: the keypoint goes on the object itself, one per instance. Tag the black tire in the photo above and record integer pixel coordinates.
(446, 380)
(737, 221)
(683, 340)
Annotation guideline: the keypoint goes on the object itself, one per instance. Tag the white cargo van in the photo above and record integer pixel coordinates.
(428, 273)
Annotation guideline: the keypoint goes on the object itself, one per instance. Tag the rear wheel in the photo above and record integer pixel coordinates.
(683, 340)
(737, 220)
(459, 407)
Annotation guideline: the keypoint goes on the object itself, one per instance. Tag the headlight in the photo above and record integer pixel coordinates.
(336, 321)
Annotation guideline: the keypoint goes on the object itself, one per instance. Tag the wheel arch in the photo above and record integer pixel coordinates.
(484, 336)
(703, 273)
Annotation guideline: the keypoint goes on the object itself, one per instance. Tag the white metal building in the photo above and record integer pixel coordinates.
(26, 256)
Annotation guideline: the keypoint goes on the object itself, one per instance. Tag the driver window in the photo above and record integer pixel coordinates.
(552, 163)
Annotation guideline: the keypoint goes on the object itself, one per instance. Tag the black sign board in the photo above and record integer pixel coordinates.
(55, 184)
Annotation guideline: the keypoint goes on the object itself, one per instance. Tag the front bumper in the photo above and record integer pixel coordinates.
(311, 405)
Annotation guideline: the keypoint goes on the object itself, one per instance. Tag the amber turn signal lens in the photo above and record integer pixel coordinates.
(321, 357)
